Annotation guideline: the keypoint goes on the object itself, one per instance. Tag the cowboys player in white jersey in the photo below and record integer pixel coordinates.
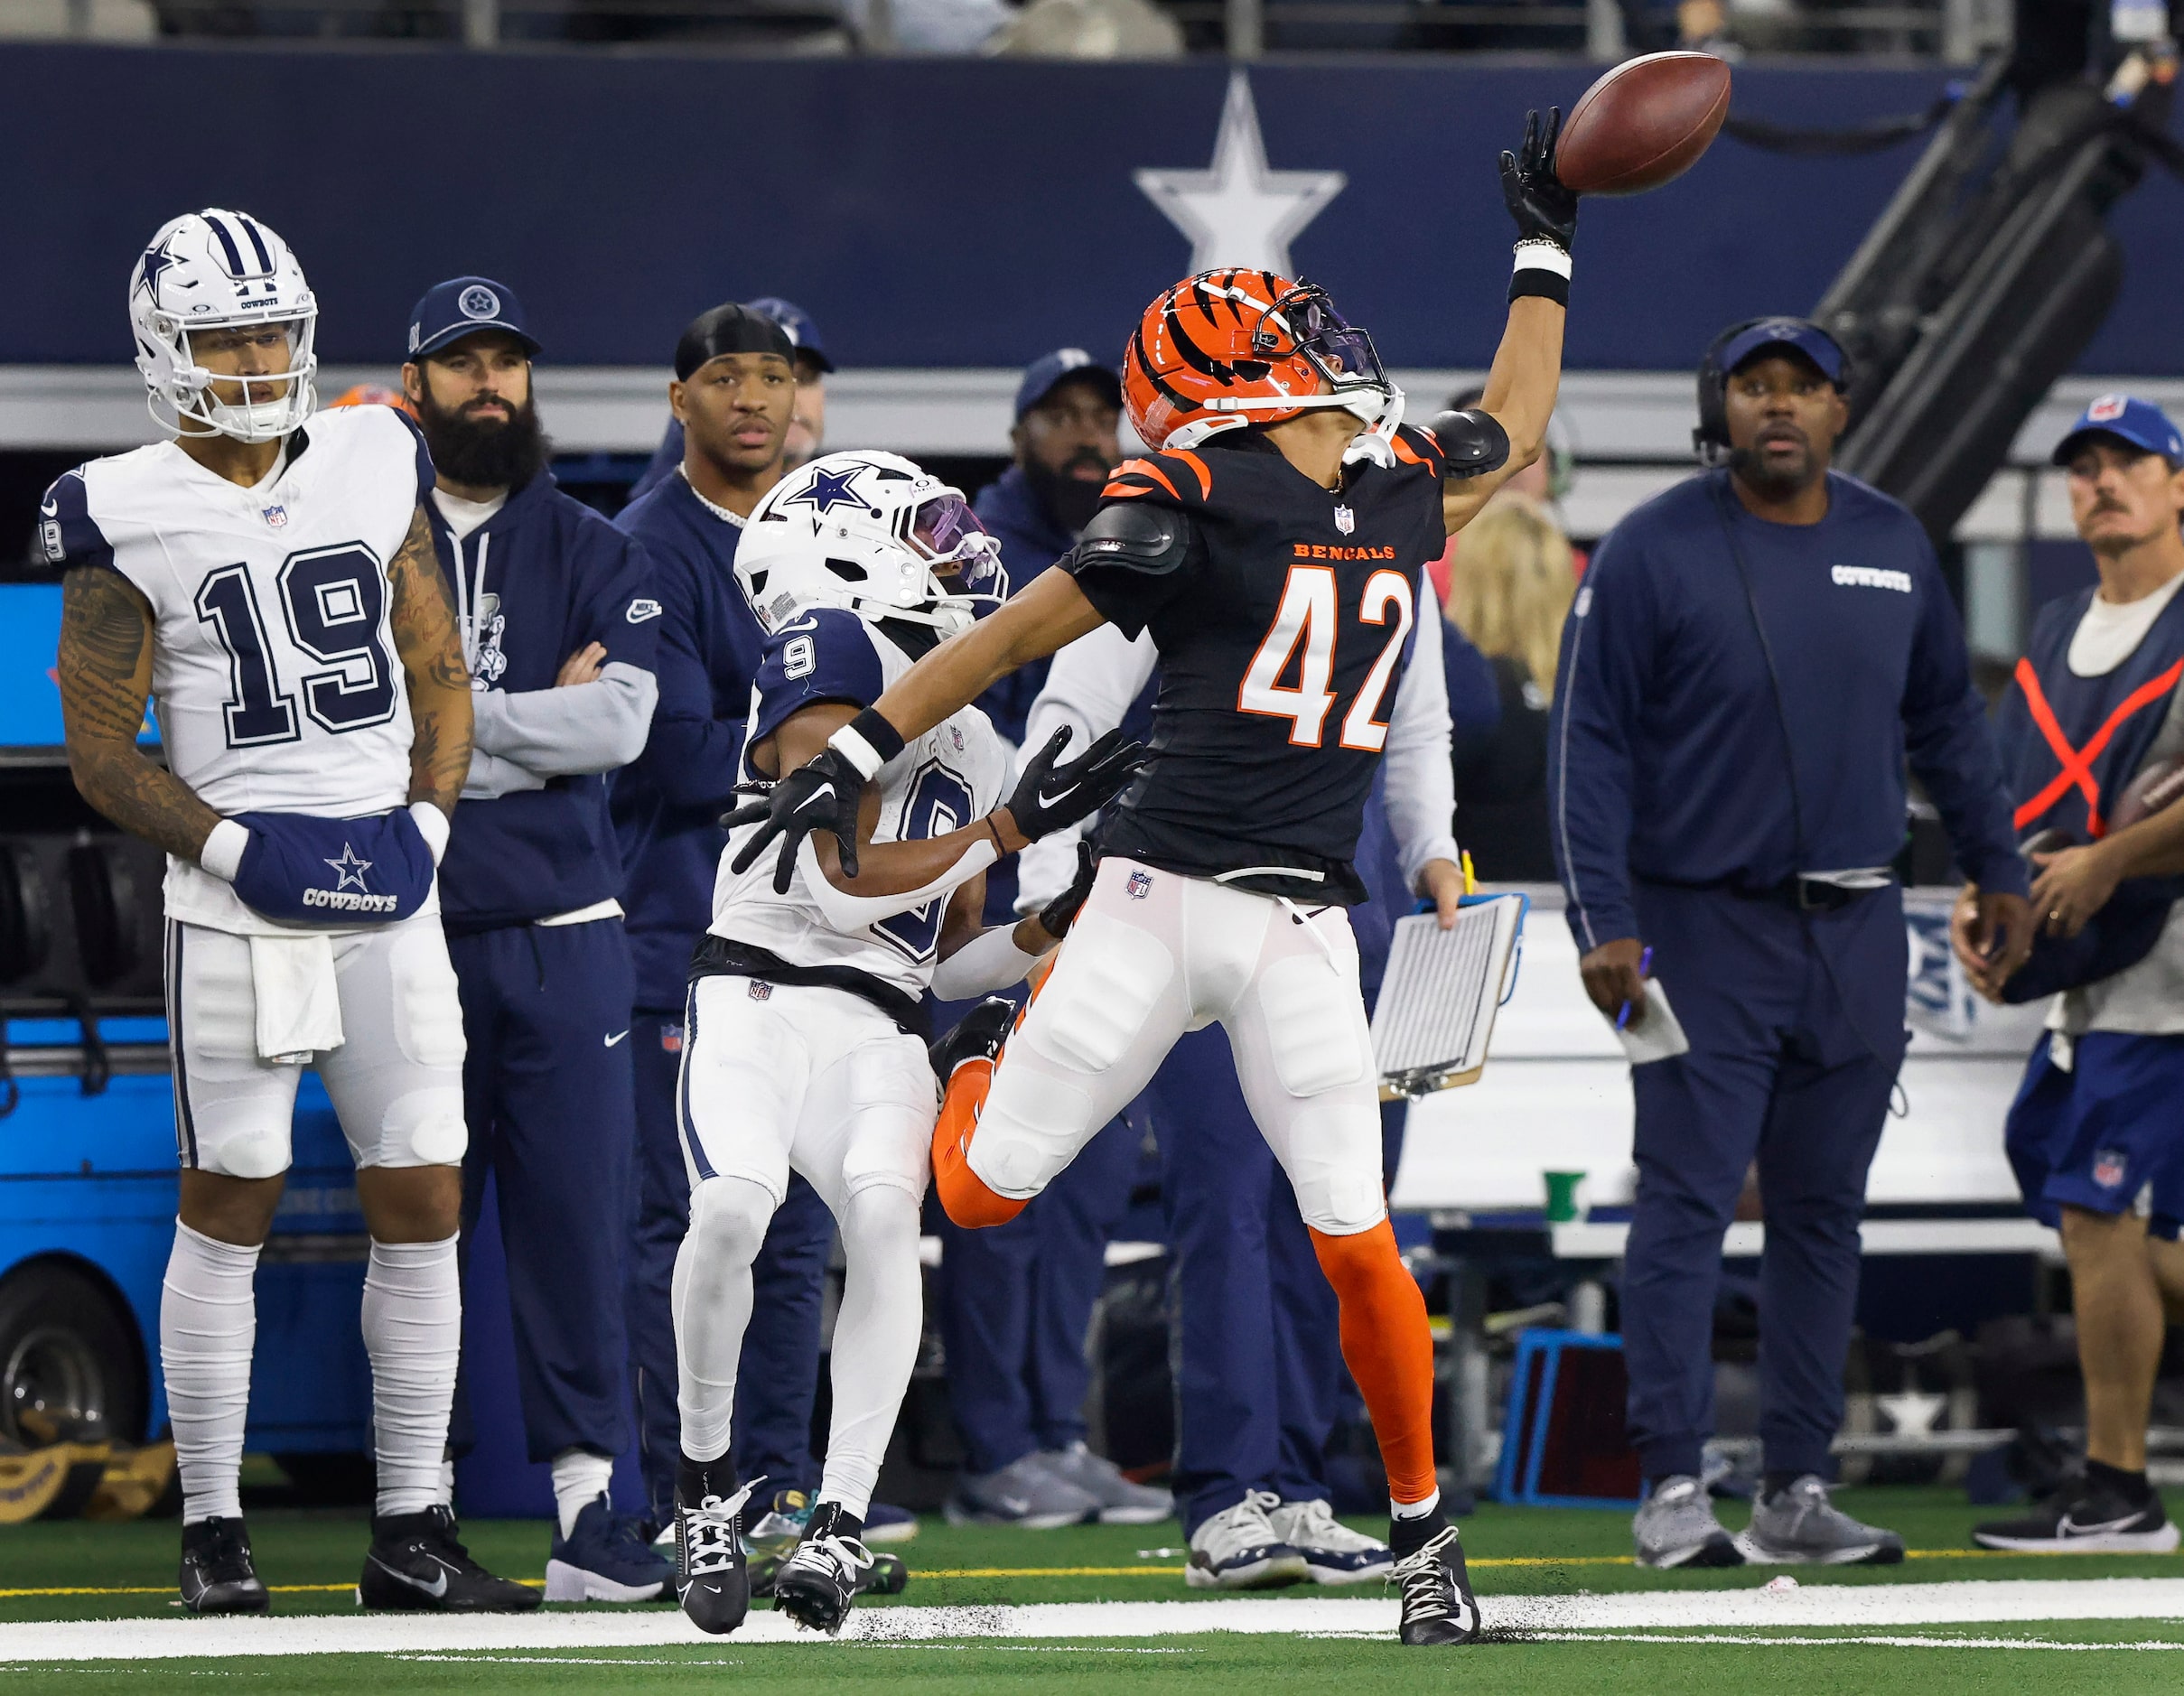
(798, 1050)
(273, 589)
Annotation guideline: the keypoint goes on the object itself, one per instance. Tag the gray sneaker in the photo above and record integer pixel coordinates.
(1024, 1494)
(1675, 1527)
(1800, 1527)
(1121, 1501)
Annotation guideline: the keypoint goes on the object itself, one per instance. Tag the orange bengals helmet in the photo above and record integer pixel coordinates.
(1229, 348)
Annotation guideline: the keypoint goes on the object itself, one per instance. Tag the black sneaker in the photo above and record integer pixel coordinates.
(1438, 1605)
(217, 1573)
(416, 1563)
(2081, 1517)
(977, 1036)
(711, 1581)
(816, 1584)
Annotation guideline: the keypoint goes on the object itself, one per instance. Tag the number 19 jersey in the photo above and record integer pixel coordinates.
(274, 671)
(1283, 636)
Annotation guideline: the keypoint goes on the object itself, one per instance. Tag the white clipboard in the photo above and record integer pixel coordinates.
(1440, 992)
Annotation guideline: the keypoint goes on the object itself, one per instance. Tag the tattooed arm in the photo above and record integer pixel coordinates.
(106, 675)
(431, 646)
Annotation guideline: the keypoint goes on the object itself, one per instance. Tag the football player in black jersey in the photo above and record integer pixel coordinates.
(1274, 544)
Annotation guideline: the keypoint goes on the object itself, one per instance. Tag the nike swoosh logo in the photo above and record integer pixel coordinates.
(2069, 1527)
(616, 1037)
(815, 796)
(49, 509)
(436, 1588)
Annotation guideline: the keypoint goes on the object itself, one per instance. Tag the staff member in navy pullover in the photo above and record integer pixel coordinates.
(559, 628)
(1751, 658)
(734, 386)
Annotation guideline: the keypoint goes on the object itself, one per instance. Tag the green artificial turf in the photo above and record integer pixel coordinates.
(1209, 1664)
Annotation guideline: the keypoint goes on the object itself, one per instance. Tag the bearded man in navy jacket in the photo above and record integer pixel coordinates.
(1752, 659)
(559, 628)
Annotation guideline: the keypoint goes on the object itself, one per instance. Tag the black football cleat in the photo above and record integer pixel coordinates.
(416, 1563)
(711, 1579)
(1438, 1605)
(977, 1036)
(217, 1576)
(817, 1583)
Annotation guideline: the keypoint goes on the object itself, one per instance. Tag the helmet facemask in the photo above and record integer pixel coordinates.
(263, 414)
(963, 561)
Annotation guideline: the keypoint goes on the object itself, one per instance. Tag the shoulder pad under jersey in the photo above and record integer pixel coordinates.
(1180, 477)
(828, 655)
(1474, 443)
(1132, 536)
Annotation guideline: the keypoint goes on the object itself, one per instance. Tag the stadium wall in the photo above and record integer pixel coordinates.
(929, 214)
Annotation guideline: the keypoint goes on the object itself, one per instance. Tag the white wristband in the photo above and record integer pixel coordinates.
(859, 752)
(432, 824)
(1542, 256)
(223, 854)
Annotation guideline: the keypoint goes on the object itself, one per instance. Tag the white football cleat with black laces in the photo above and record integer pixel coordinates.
(711, 1579)
(817, 1583)
(1438, 1605)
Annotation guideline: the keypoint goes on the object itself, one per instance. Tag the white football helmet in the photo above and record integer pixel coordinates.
(874, 533)
(212, 270)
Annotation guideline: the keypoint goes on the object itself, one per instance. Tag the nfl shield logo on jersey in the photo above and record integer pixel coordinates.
(276, 517)
(2108, 1169)
(761, 989)
(1139, 886)
(1346, 520)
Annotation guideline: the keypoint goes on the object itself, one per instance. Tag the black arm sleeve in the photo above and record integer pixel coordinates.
(1129, 561)
(1473, 444)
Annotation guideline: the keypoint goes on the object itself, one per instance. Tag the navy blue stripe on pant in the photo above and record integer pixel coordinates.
(546, 1094)
(777, 1377)
(1796, 1023)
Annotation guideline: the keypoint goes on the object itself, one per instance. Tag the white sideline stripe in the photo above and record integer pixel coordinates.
(1746, 1640)
(2016, 1601)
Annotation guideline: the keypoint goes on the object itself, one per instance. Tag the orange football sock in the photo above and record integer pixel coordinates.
(964, 1196)
(1388, 1350)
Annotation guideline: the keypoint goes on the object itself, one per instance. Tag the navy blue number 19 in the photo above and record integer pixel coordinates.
(334, 600)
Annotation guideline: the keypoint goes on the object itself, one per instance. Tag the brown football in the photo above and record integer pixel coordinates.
(1643, 124)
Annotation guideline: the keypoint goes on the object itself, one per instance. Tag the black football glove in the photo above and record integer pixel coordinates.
(821, 795)
(1543, 210)
(1057, 914)
(1050, 796)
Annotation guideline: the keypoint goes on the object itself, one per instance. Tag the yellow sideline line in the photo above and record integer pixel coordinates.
(1147, 1570)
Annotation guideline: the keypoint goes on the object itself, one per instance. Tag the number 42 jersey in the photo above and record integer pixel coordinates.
(274, 671)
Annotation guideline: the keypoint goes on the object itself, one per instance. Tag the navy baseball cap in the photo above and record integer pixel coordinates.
(1794, 334)
(803, 334)
(2127, 418)
(1043, 375)
(461, 305)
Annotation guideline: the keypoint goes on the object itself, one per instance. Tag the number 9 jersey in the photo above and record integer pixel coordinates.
(274, 670)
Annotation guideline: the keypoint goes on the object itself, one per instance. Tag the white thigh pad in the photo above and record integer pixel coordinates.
(1333, 1161)
(396, 1079)
(1313, 1026)
(233, 1111)
(1105, 986)
(891, 1116)
(427, 1006)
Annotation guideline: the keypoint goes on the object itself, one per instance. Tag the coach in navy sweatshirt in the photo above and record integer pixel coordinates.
(1754, 656)
(732, 397)
(559, 627)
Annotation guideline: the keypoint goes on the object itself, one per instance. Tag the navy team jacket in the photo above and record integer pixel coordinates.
(668, 805)
(1667, 750)
(564, 577)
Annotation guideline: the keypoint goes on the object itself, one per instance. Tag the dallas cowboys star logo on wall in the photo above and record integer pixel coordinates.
(1240, 211)
(830, 489)
(349, 869)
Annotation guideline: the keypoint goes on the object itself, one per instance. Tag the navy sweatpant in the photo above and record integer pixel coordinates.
(1016, 1303)
(545, 1091)
(777, 1374)
(1796, 1023)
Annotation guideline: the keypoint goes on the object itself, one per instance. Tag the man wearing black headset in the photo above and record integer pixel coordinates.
(1754, 656)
